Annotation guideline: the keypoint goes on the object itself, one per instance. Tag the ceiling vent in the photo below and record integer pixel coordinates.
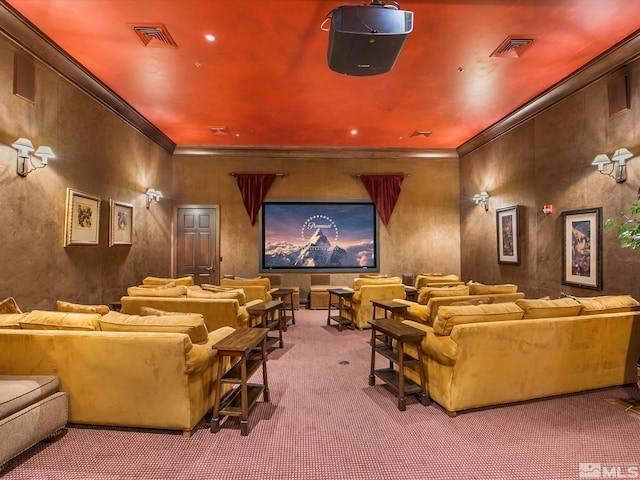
(512, 47)
(153, 35)
(421, 133)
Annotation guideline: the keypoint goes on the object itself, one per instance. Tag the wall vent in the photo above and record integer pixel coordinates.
(153, 35)
(512, 47)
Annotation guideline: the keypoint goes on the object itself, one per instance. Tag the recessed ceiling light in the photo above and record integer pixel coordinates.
(210, 37)
(354, 132)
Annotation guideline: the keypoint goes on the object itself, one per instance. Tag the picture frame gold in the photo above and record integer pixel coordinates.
(82, 219)
(508, 233)
(120, 223)
(582, 248)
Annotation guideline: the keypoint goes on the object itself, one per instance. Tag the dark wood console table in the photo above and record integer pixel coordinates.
(343, 305)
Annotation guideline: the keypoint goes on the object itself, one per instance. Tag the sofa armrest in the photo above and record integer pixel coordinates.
(442, 349)
(416, 311)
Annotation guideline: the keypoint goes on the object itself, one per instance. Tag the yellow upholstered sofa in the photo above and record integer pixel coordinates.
(484, 355)
(436, 279)
(430, 299)
(367, 289)
(119, 370)
(254, 288)
(219, 308)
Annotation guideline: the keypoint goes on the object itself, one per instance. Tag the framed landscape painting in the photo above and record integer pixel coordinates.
(582, 248)
(82, 219)
(120, 223)
(508, 229)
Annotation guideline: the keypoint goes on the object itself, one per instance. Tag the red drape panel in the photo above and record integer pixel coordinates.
(384, 191)
(253, 188)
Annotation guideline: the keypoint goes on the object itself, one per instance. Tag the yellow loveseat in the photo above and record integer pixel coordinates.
(430, 299)
(118, 370)
(484, 355)
(219, 309)
(254, 288)
(367, 289)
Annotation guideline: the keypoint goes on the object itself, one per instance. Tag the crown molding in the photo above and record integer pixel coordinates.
(315, 152)
(616, 57)
(24, 34)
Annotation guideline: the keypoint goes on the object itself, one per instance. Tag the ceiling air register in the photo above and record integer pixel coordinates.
(367, 39)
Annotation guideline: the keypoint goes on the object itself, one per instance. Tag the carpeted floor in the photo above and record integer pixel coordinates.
(325, 422)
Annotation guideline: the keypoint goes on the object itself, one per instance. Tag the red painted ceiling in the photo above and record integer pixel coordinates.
(265, 78)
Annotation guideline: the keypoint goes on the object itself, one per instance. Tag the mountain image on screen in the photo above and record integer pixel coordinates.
(317, 252)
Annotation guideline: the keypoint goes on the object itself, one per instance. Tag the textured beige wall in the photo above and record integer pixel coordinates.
(547, 160)
(423, 233)
(96, 153)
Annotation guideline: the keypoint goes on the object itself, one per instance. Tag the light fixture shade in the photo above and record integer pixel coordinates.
(601, 160)
(484, 195)
(24, 146)
(45, 153)
(621, 155)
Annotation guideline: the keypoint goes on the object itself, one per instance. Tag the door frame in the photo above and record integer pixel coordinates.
(174, 234)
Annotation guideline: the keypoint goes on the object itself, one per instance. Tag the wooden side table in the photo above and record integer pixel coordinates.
(264, 315)
(389, 306)
(280, 294)
(242, 343)
(343, 305)
(383, 332)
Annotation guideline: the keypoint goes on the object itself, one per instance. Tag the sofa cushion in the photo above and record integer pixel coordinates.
(177, 291)
(190, 323)
(237, 282)
(482, 289)
(237, 294)
(78, 308)
(11, 320)
(9, 305)
(474, 301)
(450, 316)
(20, 391)
(560, 307)
(431, 292)
(156, 311)
(608, 304)
(185, 281)
(45, 320)
(359, 282)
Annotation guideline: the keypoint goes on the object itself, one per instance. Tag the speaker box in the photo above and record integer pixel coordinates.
(367, 40)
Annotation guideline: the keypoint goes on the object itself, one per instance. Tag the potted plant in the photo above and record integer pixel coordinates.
(628, 226)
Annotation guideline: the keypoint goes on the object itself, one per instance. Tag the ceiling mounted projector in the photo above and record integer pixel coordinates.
(367, 39)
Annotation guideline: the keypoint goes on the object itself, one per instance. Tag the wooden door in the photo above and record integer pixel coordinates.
(198, 244)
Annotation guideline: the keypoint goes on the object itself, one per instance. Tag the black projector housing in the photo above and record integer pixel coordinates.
(367, 39)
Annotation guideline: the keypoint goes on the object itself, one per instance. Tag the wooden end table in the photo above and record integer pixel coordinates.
(250, 345)
(264, 315)
(383, 332)
(343, 305)
(389, 306)
(280, 294)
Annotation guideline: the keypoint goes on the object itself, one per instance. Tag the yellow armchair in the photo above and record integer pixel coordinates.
(367, 289)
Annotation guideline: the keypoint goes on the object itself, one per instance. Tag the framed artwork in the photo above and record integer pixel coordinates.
(120, 223)
(582, 248)
(508, 229)
(82, 219)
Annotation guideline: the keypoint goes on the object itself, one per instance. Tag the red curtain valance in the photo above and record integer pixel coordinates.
(253, 188)
(384, 191)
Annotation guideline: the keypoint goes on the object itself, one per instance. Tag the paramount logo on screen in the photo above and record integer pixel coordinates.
(609, 470)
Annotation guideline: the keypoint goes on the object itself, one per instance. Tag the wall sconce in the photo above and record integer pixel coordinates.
(153, 196)
(547, 209)
(618, 160)
(25, 160)
(481, 198)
